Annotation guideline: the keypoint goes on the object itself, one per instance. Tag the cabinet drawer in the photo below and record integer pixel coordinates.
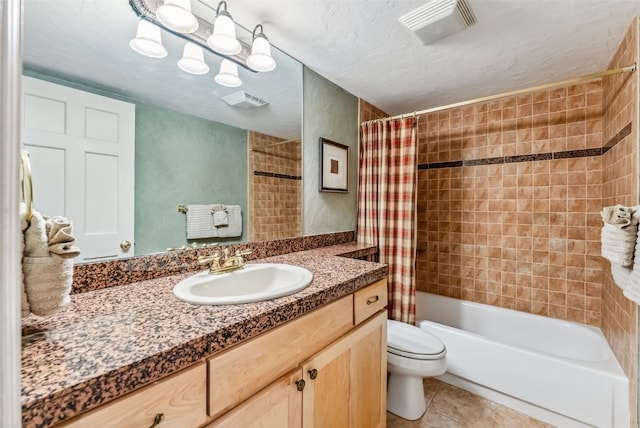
(238, 373)
(181, 398)
(369, 300)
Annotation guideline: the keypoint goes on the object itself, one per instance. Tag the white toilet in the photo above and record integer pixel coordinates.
(412, 354)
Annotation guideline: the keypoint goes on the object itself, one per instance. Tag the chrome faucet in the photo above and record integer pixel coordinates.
(228, 264)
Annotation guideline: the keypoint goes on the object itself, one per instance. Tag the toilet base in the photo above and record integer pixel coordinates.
(405, 396)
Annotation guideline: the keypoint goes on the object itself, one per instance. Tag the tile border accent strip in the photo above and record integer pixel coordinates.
(274, 175)
(569, 154)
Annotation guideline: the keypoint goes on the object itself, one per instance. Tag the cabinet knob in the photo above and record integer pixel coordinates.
(156, 421)
(313, 373)
(300, 384)
(125, 245)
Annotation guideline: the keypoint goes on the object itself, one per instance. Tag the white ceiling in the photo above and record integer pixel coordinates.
(515, 44)
(361, 46)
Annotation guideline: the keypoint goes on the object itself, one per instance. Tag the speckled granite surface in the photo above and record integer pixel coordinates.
(111, 273)
(114, 340)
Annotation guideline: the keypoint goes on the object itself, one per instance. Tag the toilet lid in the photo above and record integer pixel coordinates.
(412, 342)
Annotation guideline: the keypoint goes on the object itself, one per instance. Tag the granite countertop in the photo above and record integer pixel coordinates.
(112, 341)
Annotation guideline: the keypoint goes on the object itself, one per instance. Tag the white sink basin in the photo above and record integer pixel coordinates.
(254, 283)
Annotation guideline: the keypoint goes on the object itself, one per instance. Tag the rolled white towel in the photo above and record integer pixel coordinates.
(47, 283)
(619, 233)
(618, 215)
(621, 275)
(61, 239)
(36, 242)
(220, 216)
(632, 290)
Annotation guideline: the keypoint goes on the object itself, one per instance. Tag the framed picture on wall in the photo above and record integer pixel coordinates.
(335, 166)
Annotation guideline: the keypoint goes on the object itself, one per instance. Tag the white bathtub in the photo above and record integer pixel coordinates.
(560, 372)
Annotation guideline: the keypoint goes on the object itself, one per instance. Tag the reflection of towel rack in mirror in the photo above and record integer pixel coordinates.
(27, 186)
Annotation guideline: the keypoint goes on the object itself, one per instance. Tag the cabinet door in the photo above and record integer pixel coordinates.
(238, 373)
(277, 406)
(346, 382)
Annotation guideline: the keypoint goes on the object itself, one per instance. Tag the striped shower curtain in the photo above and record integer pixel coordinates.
(387, 183)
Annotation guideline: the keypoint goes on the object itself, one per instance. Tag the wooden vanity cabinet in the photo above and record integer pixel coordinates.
(339, 384)
(180, 398)
(324, 369)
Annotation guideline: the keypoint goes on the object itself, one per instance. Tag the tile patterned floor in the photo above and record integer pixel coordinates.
(451, 407)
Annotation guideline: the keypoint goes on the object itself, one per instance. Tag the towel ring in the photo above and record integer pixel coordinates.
(27, 186)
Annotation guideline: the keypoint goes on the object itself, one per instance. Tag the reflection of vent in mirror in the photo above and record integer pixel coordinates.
(243, 100)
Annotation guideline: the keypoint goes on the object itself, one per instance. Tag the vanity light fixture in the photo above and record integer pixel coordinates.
(148, 40)
(228, 74)
(223, 39)
(176, 15)
(217, 37)
(192, 60)
(260, 58)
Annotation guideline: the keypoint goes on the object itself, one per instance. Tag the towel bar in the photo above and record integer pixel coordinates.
(182, 208)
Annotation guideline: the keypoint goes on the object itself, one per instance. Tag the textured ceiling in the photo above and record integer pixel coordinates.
(361, 46)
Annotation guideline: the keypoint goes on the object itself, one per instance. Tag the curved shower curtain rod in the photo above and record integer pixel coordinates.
(580, 79)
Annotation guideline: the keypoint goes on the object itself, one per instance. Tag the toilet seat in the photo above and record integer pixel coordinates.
(412, 342)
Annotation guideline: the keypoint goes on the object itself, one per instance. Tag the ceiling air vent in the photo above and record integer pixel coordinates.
(243, 100)
(438, 19)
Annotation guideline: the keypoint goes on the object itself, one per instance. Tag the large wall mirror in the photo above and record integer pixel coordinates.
(196, 142)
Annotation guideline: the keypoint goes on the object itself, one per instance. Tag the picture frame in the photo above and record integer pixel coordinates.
(334, 169)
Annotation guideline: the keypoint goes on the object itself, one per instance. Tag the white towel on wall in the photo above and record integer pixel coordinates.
(234, 216)
(200, 222)
(632, 289)
(619, 233)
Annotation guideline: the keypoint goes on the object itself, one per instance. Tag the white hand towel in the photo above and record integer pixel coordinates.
(621, 275)
(617, 215)
(619, 233)
(36, 243)
(220, 216)
(632, 289)
(61, 240)
(200, 222)
(235, 223)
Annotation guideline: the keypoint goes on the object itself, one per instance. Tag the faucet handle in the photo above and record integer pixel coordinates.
(243, 252)
(208, 259)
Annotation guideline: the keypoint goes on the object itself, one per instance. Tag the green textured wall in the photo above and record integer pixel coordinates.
(182, 159)
(330, 112)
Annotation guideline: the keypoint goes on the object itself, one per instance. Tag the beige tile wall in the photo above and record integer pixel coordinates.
(525, 235)
(275, 204)
(368, 112)
(620, 186)
(521, 235)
